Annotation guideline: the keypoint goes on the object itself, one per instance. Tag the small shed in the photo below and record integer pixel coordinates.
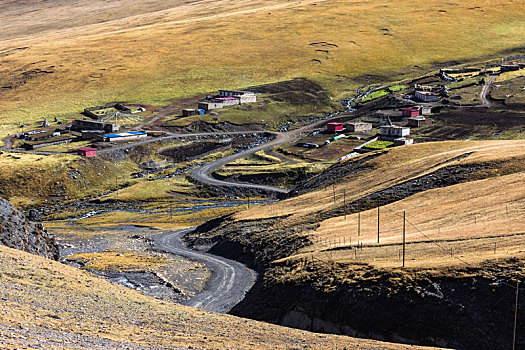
(424, 110)
(188, 112)
(87, 151)
(403, 141)
(417, 121)
(410, 111)
(334, 127)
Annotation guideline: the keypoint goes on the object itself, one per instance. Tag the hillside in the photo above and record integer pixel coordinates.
(48, 305)
(324, 269)
(153, 52)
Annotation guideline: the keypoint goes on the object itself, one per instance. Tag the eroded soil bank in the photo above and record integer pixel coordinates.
(462, 309)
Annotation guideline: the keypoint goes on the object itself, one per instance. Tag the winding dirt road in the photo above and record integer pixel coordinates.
(230, 280)
(203, 173)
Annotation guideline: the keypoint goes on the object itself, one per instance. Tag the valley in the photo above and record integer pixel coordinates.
(262, 174)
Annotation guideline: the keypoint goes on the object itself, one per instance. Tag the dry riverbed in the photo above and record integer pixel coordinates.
(124, 255)
(116, 241)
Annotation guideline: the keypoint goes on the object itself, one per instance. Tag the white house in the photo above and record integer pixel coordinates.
(243, 96)
(394, 131)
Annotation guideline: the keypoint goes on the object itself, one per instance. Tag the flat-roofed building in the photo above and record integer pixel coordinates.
(394, 131)
(418, 121)
(334, 127)
(125, 136)
(409, 111)
(426, 96)
(244, 96)
(358, 127)
(208, 106)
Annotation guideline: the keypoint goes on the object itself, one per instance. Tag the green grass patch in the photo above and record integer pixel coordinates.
(396, 88)
(379, 144)
(375, 94)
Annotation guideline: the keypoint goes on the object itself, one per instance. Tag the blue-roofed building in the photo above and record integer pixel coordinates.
(125, 136)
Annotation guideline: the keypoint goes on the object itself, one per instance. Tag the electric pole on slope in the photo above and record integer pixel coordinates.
(404, 238)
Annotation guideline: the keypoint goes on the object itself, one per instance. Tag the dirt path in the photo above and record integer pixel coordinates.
(485, 90)
(229, 283)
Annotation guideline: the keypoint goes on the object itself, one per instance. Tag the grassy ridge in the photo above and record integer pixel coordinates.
(466, 218)
(185, 50)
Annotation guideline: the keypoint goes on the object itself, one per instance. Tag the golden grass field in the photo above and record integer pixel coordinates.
(99, 314)
(156, 51)
(456, 225)
(31, 179)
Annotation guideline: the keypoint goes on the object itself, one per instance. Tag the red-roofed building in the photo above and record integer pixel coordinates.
(87, 151)
(334, 127)
(410, 112)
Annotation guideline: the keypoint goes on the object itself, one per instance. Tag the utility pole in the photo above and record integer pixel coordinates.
(116, 184)
(333, 190)
(359, 224)
(378, 224)
(344, 202)
(515, 315)
(404, 238)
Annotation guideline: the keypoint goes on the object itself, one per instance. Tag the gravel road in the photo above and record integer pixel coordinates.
(229, 283)
(203, 173)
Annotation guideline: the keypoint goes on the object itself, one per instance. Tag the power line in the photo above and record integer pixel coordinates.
(499, 280)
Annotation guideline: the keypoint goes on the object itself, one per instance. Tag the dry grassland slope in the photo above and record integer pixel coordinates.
(465, 195)
(59, 57)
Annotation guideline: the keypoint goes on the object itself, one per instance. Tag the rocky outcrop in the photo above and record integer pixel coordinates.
(16, 231)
